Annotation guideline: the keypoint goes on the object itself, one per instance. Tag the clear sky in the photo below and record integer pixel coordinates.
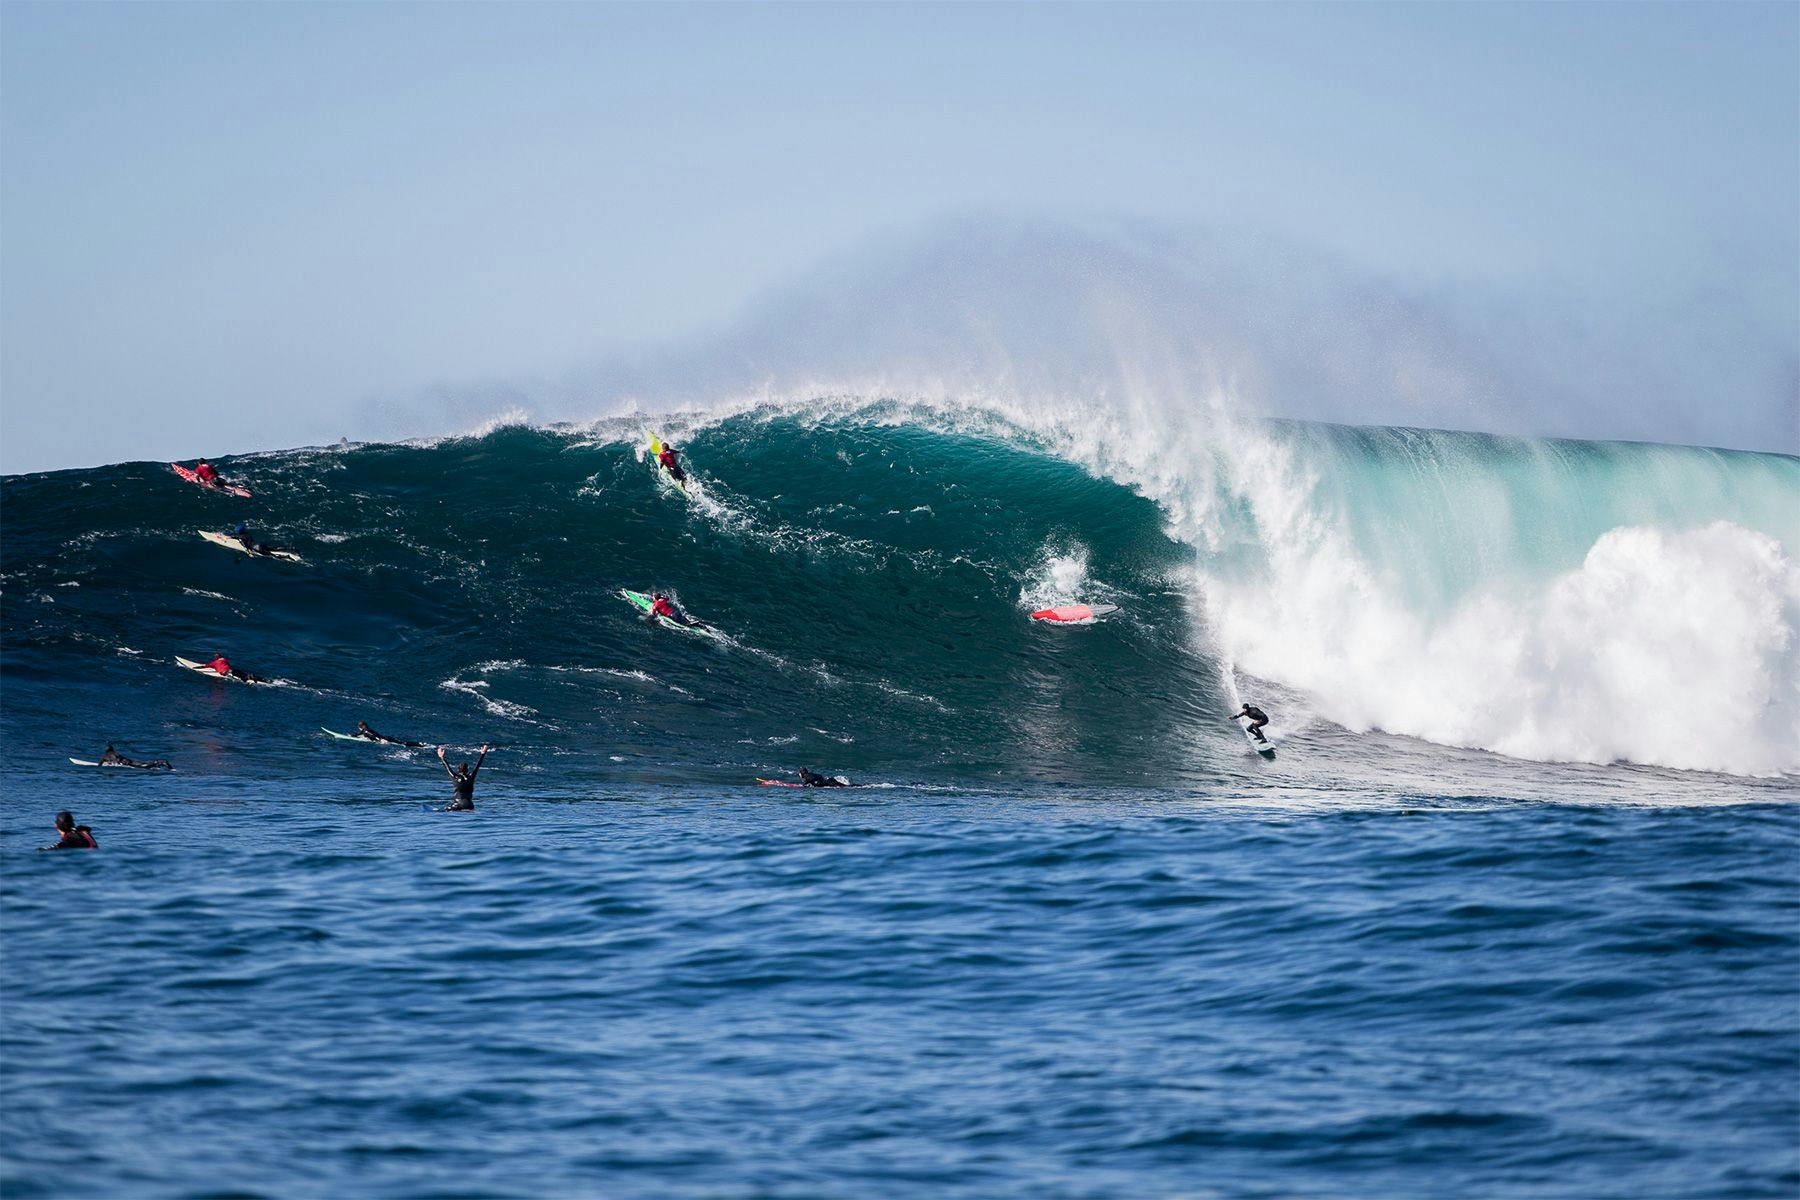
(238, 226)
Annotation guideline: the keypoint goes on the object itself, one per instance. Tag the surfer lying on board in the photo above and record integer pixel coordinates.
(665, 608)
(223, 666)
(248, 541)
(813, 779)
(369, 735)
(671, 462)
(112, 758)
(74, 837)
(462, 782)
(1258, 718)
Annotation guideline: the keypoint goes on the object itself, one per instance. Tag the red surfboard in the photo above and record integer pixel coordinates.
(230, 488)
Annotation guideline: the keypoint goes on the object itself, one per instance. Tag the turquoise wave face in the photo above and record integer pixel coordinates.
(870, 569)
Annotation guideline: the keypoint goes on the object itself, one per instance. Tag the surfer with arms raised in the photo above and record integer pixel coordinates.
(462, 782)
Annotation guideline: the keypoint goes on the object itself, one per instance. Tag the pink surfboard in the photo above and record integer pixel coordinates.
(229, 488)
(1071, 614)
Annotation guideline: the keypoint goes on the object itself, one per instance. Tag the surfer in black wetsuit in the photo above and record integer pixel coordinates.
(112, 758)
(813, 779)
(74, 837)
(1258, 718)
(369, 735)
(462, 781)
(250, 544)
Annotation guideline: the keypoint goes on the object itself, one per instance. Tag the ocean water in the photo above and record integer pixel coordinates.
(1515, 910)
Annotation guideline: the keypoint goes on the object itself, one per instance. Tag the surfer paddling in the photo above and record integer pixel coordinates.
(369, 735)
(247, 540)
(462, 782)
(1258, 718)
(814, 779)
(664, 607)
(112, 758)
(223, 666)
(72, 836)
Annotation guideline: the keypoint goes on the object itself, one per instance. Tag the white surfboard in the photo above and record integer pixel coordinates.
(1264, 748)
(191, 665)
(82, 762)
(231, 543)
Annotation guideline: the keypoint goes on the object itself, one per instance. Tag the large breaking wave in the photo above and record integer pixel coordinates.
(872, 563)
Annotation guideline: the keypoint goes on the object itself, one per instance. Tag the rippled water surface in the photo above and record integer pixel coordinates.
(291, 991)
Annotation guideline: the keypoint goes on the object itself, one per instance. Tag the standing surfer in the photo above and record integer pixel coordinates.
(671, 462)
(1258, 718)
(462, 782)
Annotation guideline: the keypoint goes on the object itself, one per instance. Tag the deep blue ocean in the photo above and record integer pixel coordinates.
(1514, 911)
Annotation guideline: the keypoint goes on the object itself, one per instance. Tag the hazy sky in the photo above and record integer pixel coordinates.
(238, 226)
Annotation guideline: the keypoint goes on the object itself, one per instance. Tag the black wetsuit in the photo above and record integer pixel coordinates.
(1258, 718)
(813, 779)
(463, 786)
(112, 758)
(369, 735)
(78, 838)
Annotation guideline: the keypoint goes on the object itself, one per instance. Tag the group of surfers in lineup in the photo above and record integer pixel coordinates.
(462, 777)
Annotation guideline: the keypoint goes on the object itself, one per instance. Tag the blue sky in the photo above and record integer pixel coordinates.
(231, 226)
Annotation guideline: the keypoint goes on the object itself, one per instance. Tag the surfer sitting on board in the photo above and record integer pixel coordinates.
(369, 735)
(223, 666)
(671, 462)
(1258, 718)
(112, 758)
(74, 837)
(462, 782)
(665, 608)
(813, 779)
